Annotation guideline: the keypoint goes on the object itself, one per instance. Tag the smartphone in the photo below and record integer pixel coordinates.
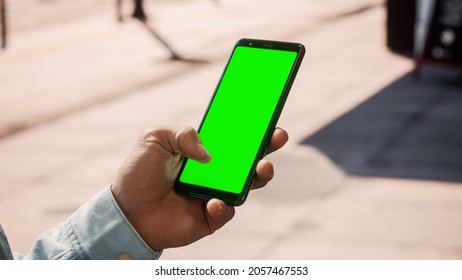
(240, 119)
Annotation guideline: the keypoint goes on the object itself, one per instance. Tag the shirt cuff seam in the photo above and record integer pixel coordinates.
(156, 254)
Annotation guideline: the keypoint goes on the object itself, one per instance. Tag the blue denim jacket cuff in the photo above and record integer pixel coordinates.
(99, 230)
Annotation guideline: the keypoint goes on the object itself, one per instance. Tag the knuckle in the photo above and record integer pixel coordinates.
(185, 133)
(148, 134)
(152, 136)
(168, 137)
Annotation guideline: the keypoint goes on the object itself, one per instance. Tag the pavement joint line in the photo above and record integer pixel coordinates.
(17, 128)
(335, 18)
(85, 105)
(37, 180)
(90, 38)
(314, 202)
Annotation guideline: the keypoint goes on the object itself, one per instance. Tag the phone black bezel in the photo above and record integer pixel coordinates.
(229, 198)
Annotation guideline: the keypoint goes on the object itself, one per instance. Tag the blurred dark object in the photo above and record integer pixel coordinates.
(444, 40)
(430, 31)
(3, 22)
(400, 26)
(438, 39)
(138, 11)
(140, 14)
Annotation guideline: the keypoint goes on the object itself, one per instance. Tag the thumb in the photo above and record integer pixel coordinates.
(190, 146)
(183, 140)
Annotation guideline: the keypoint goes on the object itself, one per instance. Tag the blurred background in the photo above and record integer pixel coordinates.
(373, 168)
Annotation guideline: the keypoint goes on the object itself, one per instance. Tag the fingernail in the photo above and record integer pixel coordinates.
(206, 157)
(221, 209)
(224, 212)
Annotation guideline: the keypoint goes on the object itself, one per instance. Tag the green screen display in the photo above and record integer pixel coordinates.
(238, 117)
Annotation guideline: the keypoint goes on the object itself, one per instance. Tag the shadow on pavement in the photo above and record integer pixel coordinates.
(410, 129)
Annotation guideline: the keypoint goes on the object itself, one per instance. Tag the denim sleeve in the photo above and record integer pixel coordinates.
(96, 231)
(5, 251)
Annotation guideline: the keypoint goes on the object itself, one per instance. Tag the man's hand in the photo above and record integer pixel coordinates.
(144, 188)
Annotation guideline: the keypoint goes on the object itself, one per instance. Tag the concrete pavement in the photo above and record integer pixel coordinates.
(74, 97)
